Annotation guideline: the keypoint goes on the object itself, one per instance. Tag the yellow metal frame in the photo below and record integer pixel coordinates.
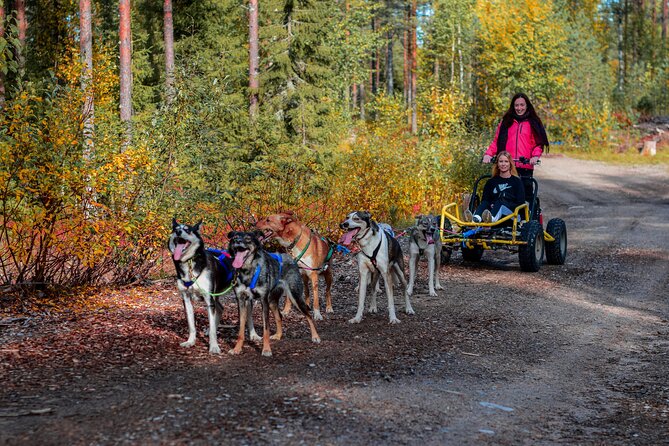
(452, 212)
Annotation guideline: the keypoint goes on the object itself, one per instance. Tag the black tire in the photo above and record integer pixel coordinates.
(531, 255)
(472, 254)
(556, 252)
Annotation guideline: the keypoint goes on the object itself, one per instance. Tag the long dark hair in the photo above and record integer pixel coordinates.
(530, 115)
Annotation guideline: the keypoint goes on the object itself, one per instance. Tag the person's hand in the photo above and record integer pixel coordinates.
(487, 159)
(534, 160)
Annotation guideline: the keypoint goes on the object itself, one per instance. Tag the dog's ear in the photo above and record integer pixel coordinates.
(196, 228)
(175, 224)
(374, 226)
(287, 218)
(231, 234)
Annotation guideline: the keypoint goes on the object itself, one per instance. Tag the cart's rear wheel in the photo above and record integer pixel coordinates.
(472, 254)
(556, 252)
(531, 255)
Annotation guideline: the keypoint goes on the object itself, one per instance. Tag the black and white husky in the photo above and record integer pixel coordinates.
(425, 240)
(379, 254)
(201, 275)
(266, 277)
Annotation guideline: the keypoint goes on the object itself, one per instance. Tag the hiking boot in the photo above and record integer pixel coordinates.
(486, 216)
(468, 215)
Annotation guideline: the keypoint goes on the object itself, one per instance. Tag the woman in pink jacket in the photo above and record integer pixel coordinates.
(521, 133)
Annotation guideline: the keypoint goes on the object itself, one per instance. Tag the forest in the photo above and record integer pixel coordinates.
(117, 116)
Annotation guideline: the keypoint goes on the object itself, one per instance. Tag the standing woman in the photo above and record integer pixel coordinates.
(521, 133)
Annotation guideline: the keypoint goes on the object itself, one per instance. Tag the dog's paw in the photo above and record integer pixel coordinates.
(329, 310)
(433, 293)
(316, 340)
(317, 315)
(394, 321)
(187, 344)
(214, 349)
(373, 310)
(267, 353)
(438, 287)
(254, 337)
(234, 351)
(409, 310)
(355, 320)
(275, 337)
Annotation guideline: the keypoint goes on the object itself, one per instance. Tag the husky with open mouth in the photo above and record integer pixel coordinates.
(379, 254)
(201, 275)
(266, 277)
(425, 240)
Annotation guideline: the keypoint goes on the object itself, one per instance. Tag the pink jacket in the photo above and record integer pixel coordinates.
(520, 144)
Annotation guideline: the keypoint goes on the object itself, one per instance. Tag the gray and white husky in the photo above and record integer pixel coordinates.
(266, 277)
(380, 254)
(425, 240)
(201, 275)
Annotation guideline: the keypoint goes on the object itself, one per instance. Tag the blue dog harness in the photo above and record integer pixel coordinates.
(275, 256)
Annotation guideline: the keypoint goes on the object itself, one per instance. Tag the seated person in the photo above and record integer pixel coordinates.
(502, 193)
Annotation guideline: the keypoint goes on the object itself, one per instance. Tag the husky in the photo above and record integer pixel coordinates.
(311, 252)
(379, 254)
(201, 275)
(425, 239)
(267, 277)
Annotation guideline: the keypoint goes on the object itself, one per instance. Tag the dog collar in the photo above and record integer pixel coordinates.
(294, 242)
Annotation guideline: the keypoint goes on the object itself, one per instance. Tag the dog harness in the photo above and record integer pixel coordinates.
(324, 265)
(220, 254)
(372, 258)
(256, 274)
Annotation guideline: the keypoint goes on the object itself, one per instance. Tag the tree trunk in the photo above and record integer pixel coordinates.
(253, 58)
(390, 85)
(125, 68)
(621, 58)
(2, 76)
(168, 36)
(86, 47)
(665, 18)
(414, 70)
(405, 63)
(22, 23)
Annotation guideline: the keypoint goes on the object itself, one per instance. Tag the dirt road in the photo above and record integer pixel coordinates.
(573, 354)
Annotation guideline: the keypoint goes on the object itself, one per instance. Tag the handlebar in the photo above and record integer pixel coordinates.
(522, 160)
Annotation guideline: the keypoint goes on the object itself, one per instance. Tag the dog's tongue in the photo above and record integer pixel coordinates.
(430, 240)
(179, 250)
(347, 238)
(239, 259)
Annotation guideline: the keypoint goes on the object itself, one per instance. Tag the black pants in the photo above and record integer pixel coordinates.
(529, 184)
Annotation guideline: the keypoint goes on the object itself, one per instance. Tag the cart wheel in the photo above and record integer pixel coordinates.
(556, 252)
(472, 254)
(531, 255)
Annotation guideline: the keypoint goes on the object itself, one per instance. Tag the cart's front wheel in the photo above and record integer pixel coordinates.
(531, 255)
(556, 252)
